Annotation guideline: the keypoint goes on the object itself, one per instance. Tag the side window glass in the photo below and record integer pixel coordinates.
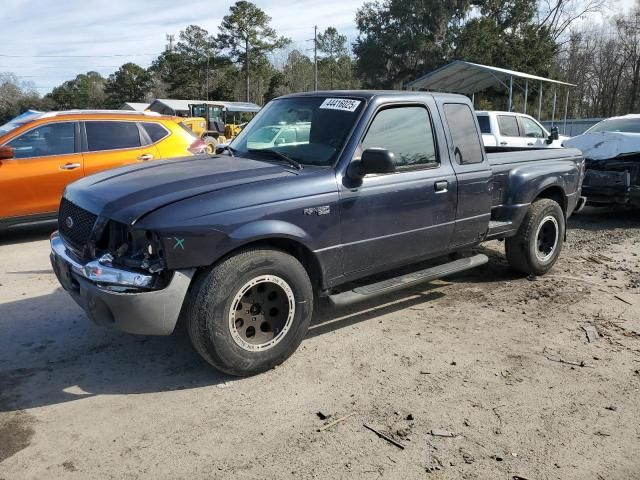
(46, 141)
(508, 125)
(155, 131)
(485, 124)
(405, 131)
(464, 133)
(112, 135)
(531, 128)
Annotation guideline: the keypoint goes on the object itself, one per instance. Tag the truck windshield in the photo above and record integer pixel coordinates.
(309, 130)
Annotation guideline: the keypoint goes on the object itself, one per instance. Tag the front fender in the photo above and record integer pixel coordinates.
(262, 229)
(189, 250)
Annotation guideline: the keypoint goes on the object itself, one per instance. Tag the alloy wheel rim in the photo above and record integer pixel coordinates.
(261, 313)
(547, 236)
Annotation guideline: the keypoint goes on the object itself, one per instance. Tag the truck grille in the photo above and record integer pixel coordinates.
(75, 224)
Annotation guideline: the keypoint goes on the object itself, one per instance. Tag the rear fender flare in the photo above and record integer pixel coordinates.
(527, 186)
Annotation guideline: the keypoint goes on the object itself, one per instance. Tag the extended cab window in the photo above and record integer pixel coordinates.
(464, 133)
(112, 135)
(508, 125)
(405, 131)
(155, 131)
(45, 141)
(531, 128)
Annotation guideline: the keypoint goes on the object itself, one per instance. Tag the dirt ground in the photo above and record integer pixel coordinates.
(500, 363)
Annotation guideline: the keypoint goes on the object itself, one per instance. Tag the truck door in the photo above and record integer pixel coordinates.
(401, 216)
(509, 135)
(533, 132)
(473, 174)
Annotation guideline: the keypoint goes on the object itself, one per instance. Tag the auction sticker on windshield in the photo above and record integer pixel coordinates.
(345, 104)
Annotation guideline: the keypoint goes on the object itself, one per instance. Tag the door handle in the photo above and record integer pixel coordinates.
(441, 186)
(503, 143)
(70, 166)
(145, 157)
(530, 144)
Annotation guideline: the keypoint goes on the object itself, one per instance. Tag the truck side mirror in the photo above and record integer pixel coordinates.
(6, 153)
(554, 135)
(373, 160)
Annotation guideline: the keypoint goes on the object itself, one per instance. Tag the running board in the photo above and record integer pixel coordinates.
(366, 292)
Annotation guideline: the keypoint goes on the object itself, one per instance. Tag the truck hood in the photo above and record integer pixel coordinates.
(605, 145)
(126, 194)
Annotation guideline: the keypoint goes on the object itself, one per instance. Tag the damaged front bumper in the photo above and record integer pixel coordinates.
(123, 299)
(612, 182)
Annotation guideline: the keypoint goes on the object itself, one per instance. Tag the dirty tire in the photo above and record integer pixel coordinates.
(530, 251)
(214, 305)
(211, 144)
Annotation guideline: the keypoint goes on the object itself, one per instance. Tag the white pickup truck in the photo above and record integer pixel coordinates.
(515, 131)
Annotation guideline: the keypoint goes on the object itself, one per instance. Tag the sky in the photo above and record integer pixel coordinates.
(46, 42)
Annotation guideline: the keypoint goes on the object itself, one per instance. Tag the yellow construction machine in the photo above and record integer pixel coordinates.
(219, 122)
(213, 121)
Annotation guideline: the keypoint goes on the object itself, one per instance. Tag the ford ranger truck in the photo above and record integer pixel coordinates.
(240, 245)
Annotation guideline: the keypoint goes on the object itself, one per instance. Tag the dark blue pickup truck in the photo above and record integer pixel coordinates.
(319, 190)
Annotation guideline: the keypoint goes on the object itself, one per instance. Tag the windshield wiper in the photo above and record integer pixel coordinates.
(275, 153)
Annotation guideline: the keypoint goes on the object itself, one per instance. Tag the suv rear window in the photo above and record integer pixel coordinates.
(112, 135)
(188, 130)
(155, 131)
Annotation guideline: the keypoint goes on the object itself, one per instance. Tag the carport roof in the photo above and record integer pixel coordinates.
(136, 106)
(468, 78)
(183, 105)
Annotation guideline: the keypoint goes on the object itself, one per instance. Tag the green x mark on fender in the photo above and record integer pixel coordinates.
(179, 243)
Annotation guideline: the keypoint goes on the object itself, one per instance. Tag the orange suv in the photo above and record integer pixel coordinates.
(41, 153)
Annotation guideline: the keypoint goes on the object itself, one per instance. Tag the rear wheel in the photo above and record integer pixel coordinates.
(210, 144)
(537, 245)
(250, 312)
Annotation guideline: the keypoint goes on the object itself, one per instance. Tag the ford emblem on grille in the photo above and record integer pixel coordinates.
(69, 222)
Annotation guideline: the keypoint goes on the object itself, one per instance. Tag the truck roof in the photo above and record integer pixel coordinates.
(370, 94)
(500, 112)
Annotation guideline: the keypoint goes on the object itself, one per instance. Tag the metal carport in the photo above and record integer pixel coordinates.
(468, 78)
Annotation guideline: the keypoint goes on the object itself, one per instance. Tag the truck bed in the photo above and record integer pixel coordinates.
(511, 183)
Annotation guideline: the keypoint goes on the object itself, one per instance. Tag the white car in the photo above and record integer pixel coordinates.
(511, 130)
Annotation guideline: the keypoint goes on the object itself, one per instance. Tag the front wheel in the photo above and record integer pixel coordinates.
(250, 312)
(537, 245)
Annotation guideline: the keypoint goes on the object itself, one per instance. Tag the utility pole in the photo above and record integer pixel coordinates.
(315, 58)
(207, 75)
(246, 44)
(170, 39)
